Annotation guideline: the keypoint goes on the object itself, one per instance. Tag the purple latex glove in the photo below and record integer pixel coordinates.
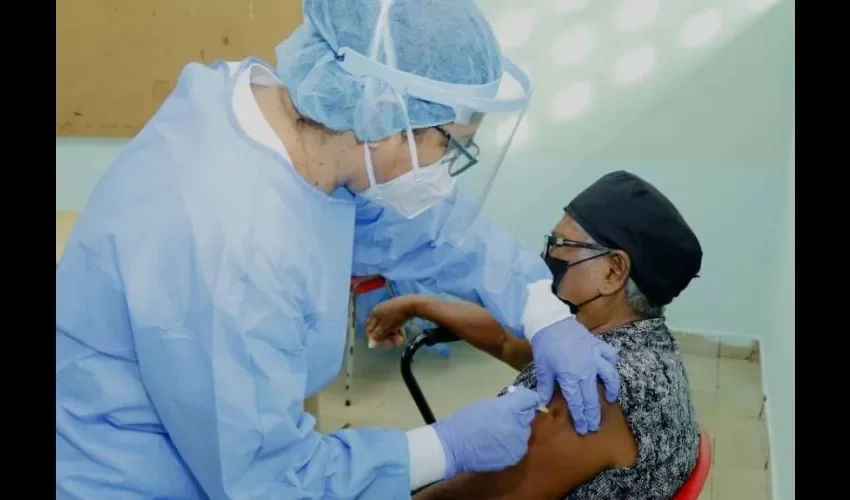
(567, 352)
(488, 435)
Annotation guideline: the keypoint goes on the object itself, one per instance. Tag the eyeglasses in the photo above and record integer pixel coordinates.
(551, 242)
(463, 156)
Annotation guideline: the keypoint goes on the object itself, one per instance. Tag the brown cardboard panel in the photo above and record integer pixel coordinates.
(117, 61)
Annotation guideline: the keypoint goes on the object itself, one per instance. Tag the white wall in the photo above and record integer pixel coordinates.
(79, 165)
(707, 125)
(778, 357)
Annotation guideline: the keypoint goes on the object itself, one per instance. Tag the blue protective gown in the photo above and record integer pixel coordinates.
(203, 296)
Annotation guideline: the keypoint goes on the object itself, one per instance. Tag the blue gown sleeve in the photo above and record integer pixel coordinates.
(220, 343)
(452, 249)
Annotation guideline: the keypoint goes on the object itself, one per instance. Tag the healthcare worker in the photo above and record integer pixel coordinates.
(202, 295)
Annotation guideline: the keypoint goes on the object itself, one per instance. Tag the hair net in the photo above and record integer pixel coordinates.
(444, 40)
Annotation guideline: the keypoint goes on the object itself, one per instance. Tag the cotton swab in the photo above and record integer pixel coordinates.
(541, 408)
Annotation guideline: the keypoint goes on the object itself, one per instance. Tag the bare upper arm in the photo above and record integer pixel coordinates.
(558, 459)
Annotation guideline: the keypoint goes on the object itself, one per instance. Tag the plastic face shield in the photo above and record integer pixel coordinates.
(487, 116)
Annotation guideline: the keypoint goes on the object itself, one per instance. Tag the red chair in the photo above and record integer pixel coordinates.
(359, 286)
(696, 481)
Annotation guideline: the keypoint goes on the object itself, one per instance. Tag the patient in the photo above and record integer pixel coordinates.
(619, 255)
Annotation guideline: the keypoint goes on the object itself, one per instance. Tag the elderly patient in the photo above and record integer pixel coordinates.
(619, 255)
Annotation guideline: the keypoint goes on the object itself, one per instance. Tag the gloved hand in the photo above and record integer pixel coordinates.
(565, 351)
(488, 435)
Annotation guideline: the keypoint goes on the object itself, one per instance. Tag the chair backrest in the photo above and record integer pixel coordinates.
(366, 284)
(696, 481)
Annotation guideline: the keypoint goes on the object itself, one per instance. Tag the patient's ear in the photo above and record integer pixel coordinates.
(618, 272)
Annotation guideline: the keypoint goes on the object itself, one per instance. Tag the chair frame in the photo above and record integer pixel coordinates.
(358, 286)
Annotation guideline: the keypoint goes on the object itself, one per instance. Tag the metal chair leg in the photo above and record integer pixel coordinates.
(349, 348)
(427, 338)
(410, 380)
(358, 288)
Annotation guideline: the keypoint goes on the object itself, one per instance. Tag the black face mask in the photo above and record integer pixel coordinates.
(559, 270)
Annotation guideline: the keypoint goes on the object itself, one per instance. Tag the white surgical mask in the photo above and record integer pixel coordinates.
(412, 192)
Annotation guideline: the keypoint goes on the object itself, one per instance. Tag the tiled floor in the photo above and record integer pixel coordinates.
(727, 396)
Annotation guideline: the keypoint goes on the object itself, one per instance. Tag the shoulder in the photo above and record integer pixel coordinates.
(647, 356)
(646, 366)
(527, 377)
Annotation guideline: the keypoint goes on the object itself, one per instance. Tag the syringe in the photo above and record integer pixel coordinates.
(541, 408)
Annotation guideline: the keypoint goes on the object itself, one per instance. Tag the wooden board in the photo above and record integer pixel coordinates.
(64, 225)
(311, 406)
(117, 61)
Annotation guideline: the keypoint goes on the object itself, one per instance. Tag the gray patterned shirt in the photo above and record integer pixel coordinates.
(655, 399)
